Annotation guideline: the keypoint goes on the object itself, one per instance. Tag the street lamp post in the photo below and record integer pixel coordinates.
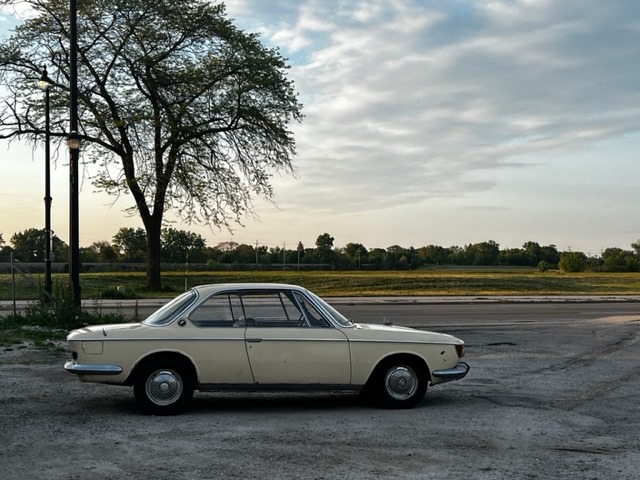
(45, 84)
(73, 142)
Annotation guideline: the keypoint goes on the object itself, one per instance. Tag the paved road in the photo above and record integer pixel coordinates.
(464, 315)
(418, 310)
(433, 312)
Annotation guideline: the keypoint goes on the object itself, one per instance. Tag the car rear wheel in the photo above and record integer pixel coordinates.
(163, 387)
(402, 383)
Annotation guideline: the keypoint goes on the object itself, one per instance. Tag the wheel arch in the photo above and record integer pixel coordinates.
(399, 357)
(163, 355)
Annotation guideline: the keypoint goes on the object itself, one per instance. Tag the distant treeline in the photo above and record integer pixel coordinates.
(128, 249)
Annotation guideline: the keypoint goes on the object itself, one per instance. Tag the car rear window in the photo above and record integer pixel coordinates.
(167, 313)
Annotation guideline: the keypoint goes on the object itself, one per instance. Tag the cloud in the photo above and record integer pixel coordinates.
(407, 99)
(490, 117)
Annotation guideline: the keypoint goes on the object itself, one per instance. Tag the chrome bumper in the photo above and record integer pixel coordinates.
(450, 374)
(72, 367)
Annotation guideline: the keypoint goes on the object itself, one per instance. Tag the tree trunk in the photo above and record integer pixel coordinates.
(153, 228)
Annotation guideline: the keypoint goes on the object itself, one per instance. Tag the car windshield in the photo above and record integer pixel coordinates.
(167, 313)
(337, 316)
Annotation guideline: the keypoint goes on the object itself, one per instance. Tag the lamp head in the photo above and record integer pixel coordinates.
(44, 82)
(73, 141)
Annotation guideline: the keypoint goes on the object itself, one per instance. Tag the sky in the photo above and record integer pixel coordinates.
(444, 122)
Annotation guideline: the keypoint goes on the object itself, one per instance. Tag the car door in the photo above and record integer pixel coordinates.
(217, 342)
(289, 343)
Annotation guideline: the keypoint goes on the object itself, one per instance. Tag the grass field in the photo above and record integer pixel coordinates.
(358, 283)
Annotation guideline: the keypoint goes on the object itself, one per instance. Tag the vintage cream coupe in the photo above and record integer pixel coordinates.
(261, 337)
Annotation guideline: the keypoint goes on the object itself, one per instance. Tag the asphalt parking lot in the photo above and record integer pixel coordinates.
(547, 397)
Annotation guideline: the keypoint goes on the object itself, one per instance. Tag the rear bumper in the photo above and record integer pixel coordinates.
(450, 374)
(72, 367)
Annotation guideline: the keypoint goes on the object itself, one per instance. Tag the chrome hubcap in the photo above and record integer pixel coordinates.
(164, 387)
(401, 383)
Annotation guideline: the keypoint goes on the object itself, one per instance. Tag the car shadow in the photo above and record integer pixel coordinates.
(252, 402)
(122, 402)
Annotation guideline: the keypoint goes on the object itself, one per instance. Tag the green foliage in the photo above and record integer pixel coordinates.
(116, 293)
(324, 242)
(5, 253)
(181, 246)
(29, 246)
(131, 244)
(485, 253)
(324, 249)
(99, 252)
(356, 254)
(45, 321)
(619, 260)
(573, 262)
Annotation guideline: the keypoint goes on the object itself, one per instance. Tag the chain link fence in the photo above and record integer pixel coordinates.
(19, 287)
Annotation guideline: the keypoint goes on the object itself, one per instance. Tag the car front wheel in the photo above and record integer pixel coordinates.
(163, 387)
(402, 384)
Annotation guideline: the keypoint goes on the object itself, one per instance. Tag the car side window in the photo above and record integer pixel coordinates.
(311, 313)
(271, 310)
(222, 310)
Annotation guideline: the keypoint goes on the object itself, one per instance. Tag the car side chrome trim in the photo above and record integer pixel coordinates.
(284, 387)
(86, 369)
(415, 342)
(222, 339)
(450, 374)
(173, 339)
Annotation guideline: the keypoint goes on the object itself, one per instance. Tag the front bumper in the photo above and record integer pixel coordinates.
(86, 369)
(450, 374)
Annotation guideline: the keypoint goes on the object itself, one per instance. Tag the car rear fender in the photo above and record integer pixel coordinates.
(156, 356)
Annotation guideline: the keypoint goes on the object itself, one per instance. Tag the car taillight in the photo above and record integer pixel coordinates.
(460, 350)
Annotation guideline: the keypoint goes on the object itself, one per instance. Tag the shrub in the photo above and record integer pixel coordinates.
(118, 294)
(47, 320)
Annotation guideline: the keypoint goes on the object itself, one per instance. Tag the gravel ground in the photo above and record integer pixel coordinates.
(541, 401)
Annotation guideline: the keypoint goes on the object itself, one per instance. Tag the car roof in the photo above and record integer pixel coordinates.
(218, 287)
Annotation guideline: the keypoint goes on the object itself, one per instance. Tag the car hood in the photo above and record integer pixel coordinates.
(393, 332)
